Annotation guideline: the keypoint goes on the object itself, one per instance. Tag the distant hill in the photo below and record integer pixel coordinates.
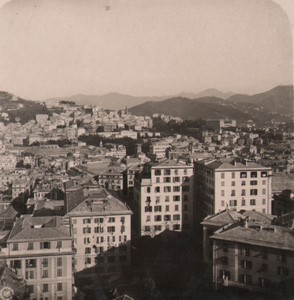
(19, 109)
(110, 100)
(275, 104)
(278, 100)
(120, 101)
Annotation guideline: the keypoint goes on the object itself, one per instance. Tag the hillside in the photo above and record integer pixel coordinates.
(19, 109)
(275, 104)
(277, 100)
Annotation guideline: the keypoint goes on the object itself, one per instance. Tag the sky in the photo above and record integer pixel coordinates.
(52, 48)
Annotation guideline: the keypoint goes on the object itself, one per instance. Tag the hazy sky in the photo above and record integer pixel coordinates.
(144, 47)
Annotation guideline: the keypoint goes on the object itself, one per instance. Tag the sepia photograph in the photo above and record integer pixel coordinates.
(146, 150)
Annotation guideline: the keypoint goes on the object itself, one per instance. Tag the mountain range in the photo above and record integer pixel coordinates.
(275, 104)
(120, 101)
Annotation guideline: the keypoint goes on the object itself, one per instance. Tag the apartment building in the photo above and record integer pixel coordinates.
(231, 183)
(164, 196)
(40, 250)
(254, 256)
(101, 229)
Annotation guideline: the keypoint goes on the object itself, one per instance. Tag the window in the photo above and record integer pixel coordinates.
(87, 250)
(253, 174)
(59, 261)
(233, 193)
(253, 182)
(157, 200)
(87, 221)
(222, 183)
(243, 193)
(263, 191)
(176, 189)
(176, 227)
(176, 207)
(45, 263)
(233, 175)
(233, 183)
(263, 201)
(222, 193)
(263, 174)
(166, 179)
(45, 288)
(88, 260)
(222, 203)
(243, 175)
(243, 202)
(29, 275)
(87, 240)
(111, 220)
(245, 251)
(157, 179)
(157, 172)
(166, 198)
(59, 244)
(167, 172)
(148, 208)
(252, 202)
(233, 202)
(185, 179)
(176, 217)
(246, 264)
(282, 258)
(222, 175)
(14, 247)
(147, 228)
(15, 264)
(31, 289)
(59, 272)
(177, 198)
(45, 274)
(31, 263)
(30, 246)
(148, 200)
(283, 271)
(148, 189)
(59, 286)
(157, 189)
(167, 189)
(167, 218)
(111, 229)
(87, 230)
(157, 208)
(243, 182)
(157, 218)
(245, 278)
(253, 192)
(157, 227)
(176, 179)
(167, 208)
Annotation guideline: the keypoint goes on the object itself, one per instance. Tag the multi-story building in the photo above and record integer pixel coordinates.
(40, 250)
(157, 150)
(164, 196)
(218, 124)
(254, 256)
(231, 183)
(101, 229)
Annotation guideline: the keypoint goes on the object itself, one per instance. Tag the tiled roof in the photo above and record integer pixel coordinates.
(100, 202)
(29, 228)
(170, 163)
(223, 218)
(254, 234)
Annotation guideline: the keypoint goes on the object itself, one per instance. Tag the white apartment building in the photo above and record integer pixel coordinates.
(157, 150)
(231, 183)
(101, 229)
(39, 249)
(164, 194)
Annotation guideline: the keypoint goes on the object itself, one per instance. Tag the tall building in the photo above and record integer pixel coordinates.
(231, 183)
(164, 196)
(101, 229)
(254, 256)
(40, 250)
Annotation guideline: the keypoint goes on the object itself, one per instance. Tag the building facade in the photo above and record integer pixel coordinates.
(231, 183)
(40, 250)
(164, 197)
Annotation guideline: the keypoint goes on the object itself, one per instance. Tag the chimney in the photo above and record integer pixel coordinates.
(246, 224)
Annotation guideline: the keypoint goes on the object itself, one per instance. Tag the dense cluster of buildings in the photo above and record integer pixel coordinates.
(70, 212)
